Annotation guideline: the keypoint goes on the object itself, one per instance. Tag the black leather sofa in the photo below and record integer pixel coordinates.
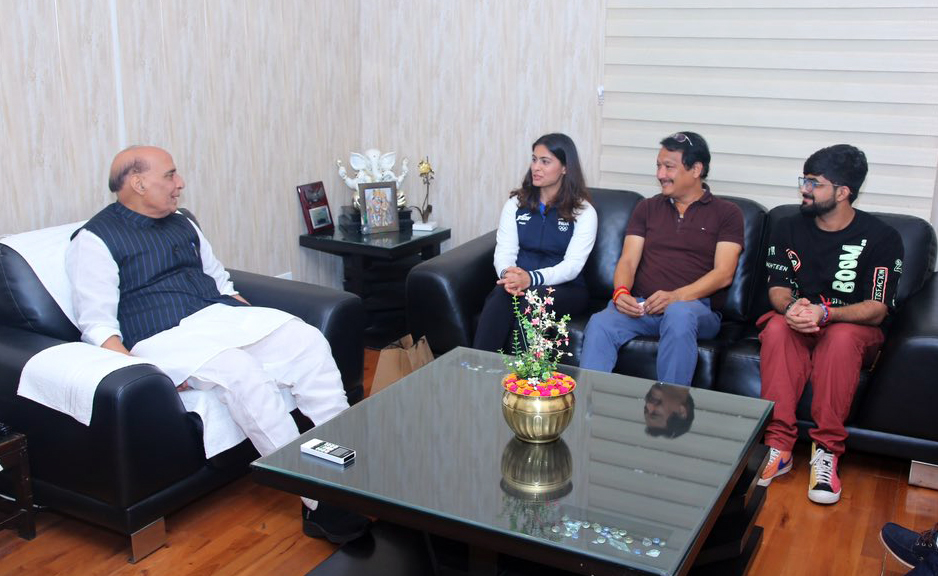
(892, 409)
(142, 456)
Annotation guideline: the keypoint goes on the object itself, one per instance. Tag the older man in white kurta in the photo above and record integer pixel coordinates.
(146, 283)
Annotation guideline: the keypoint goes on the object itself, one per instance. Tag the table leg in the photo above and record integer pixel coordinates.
(354, 268)
(20, 512)
(430, 251)
(482, 562)
(431, 553)
(24, 499)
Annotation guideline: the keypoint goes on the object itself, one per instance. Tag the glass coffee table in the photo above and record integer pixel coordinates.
(647, 478)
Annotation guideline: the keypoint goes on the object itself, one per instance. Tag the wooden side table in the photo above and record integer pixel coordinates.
(375, 268)
(15, 463)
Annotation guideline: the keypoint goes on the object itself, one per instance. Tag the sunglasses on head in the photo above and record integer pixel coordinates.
(681, 138)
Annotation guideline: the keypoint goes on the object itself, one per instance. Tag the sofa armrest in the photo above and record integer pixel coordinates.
(140, 439)
(902, 390)
(339, 315)
(446, 293)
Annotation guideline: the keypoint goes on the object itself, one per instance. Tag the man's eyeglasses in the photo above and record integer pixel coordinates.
(681, 138)
(809, 184)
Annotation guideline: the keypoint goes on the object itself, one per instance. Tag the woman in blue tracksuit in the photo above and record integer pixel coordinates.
(546, 231)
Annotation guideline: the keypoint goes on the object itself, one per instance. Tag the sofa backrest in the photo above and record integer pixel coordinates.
(25, 303)
(613, 210)
(740, 294)
(920, 245)
(918, 241)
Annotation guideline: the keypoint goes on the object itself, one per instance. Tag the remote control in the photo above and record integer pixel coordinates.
(328, 451)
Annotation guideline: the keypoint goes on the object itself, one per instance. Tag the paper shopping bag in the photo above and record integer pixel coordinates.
(398, 359)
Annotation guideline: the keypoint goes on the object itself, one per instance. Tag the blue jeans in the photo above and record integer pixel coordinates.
(677, 329)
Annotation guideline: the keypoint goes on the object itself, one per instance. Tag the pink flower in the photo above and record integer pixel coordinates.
(550, 289)
(527, 310)
(535, 322)
(549, 301)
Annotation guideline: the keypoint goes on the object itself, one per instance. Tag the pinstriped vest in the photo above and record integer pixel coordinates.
(159, 267)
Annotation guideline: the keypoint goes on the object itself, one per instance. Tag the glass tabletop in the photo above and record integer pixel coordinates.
(632, 481)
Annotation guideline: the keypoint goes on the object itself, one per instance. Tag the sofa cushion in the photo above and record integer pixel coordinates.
(920, 245)
(639, 357)
(739, 374)
(751, 265)
(613, 210)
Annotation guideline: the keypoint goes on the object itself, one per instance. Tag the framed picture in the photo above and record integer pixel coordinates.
(315, 208)
(378, 202)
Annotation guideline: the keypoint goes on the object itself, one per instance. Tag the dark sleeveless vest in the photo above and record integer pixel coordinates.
(160, 270)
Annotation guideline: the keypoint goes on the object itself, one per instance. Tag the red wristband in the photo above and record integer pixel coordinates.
(620, 291)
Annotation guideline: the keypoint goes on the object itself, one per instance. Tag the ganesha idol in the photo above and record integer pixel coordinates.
(373, 166)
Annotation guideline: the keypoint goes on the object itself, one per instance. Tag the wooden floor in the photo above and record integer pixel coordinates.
(246, 529)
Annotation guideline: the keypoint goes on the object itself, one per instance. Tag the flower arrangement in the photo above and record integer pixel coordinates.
(556, 384)
(537, 348)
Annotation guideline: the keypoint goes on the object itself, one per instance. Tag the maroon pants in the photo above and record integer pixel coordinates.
(831, 359)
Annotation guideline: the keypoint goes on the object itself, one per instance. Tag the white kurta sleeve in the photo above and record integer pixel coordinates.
(95, 282)
(506, 239)
(578, 250)
(213, 267)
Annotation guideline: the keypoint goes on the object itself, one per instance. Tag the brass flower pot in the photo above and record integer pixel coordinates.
(537, 419)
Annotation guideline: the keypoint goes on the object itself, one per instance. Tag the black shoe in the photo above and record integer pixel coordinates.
(909, 547)
(334, 524)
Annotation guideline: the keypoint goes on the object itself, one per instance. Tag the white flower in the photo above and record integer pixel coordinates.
(539, 341)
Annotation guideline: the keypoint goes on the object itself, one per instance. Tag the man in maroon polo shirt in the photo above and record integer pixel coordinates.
(680, 253)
